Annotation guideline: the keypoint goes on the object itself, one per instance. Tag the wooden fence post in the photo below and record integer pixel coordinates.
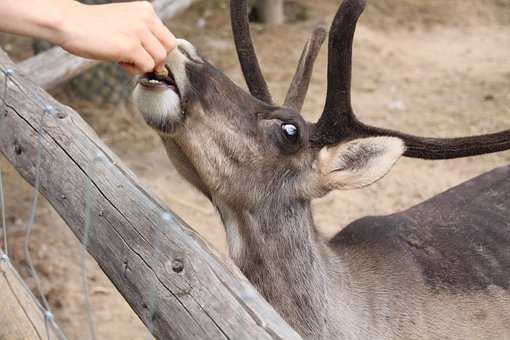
(21, 318)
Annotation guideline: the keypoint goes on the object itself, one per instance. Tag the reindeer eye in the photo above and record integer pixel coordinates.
(290, 130)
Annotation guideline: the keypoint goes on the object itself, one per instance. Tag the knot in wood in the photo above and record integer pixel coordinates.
(61, 114)
(18, 149)
(177, 266)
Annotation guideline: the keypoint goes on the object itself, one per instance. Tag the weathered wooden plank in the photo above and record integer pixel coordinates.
(21, 318)
(56, 66)
(198, 296)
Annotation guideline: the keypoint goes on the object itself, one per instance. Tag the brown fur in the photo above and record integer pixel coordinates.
(380, 278)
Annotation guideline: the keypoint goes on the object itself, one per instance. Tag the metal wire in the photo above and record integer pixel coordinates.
(55, 327)
(43, 304)
(47, 111)
(84, 244)
(2, 211)
(7, 73)
(48, 316)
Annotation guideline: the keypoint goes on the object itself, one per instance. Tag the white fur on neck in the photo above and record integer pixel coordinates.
(234, 238)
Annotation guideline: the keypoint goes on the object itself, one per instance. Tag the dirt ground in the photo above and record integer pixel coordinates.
(436, 68)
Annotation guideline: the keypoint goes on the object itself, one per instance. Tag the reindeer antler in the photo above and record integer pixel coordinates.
(301, 81)
(338, 121)
(246, 52)
(338, 117)
(251, 67)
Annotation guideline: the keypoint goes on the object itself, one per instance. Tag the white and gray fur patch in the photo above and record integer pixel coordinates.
(162, 109)
(232, 224)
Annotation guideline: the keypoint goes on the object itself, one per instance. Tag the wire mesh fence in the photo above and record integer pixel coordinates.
(48, 112)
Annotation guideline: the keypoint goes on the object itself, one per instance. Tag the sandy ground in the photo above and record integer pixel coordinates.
(437, 68)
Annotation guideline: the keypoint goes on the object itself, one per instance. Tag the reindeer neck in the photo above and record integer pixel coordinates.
(277, 247)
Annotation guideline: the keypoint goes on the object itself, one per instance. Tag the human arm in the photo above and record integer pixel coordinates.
(128, 33)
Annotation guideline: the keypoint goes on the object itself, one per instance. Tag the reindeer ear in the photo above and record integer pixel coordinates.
(358, 163)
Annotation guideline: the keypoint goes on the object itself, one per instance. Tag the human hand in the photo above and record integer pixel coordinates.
(128, 33)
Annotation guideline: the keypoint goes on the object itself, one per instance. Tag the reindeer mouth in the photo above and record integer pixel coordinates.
(153, 81)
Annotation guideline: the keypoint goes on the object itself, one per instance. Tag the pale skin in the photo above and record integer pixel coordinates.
(128, 33)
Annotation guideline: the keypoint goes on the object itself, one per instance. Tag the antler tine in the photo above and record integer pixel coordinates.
(246, 51)
(338, 121)
(301, 81)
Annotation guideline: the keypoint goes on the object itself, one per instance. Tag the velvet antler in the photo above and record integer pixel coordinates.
(338, 121)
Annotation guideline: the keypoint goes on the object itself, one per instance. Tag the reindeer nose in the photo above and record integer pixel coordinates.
(184, 53)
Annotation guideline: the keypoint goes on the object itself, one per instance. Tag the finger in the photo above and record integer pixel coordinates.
(164, 35)
(142, 60)
(131, 68)
(154, 47)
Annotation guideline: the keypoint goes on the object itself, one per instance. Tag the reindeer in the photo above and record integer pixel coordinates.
(440, 270)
